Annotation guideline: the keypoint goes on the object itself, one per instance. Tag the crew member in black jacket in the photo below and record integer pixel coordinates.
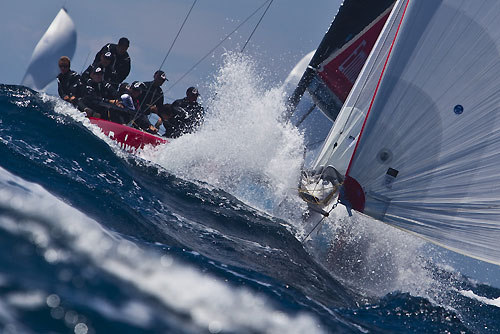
(68, 81)
(183, 116)
(120, 63)
(152, 95)
(104, 63)
(97, 96)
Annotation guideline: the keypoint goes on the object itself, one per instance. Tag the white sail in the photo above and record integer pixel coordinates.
(427, 159)
(341, 140)
(59, 40)
(295, 74)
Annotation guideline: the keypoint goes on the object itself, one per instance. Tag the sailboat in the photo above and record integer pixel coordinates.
(60, 40)
(416, 143)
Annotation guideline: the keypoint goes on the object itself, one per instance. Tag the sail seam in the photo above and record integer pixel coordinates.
(376, 88)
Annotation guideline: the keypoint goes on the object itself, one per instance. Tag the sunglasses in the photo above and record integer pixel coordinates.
(63, 66)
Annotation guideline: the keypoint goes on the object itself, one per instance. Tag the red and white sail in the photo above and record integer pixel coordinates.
(419, 136)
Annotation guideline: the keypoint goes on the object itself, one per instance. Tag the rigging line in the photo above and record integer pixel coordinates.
(161, 65)
(248, 40)
(85, 63)
(178, 33)
(315, 226)
(311, 109)
(213, 49)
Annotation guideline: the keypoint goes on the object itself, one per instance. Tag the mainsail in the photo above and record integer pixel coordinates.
(418, 139)
(59, 40)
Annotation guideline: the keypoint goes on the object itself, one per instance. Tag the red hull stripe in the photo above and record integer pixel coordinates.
(376, 88)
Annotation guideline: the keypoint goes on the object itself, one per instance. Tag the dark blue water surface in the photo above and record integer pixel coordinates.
(94, 241)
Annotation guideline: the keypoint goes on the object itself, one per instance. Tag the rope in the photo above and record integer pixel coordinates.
(311, 109)
(213, 49)
(178, 33)
(248, 40)
(85, 63)
(161, 65)
(318, 223)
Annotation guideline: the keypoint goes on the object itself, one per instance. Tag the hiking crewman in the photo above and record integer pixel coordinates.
(152, 96)
(120, 63)
(68, 81)
(105, 63)
(183, 116)
(95, 94)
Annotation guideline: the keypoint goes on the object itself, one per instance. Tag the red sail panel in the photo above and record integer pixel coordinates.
(128, 138)
(339, 72)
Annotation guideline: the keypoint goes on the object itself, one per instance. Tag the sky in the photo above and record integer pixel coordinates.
(289, 30)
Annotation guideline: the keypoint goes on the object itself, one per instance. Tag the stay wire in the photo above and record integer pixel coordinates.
(219, 44)
(178, 33)
(85, 63)
(163, 62)
(318, 223)
(260, 20)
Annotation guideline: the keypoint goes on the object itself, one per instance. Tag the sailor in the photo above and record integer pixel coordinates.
(105, 63)
(152, 96)
(120, 64)
(123, 88)
(131, 100)
(97, 95)
(68, 81)
(183, 116)
(124, 111)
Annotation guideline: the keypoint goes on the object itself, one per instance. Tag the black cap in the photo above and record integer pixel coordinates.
(138, 85)
(161, 74)
(192, 91)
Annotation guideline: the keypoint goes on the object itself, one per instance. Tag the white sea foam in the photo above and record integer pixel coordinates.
(485, 300)
(370, 256)
(64, 108)
(208, 301)
(243, 146)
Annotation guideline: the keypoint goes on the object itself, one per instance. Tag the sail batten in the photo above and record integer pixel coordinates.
(59, 40)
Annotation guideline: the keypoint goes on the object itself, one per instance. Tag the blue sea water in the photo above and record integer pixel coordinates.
(202, 235)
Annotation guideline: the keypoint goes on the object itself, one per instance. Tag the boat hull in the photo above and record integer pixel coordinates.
(128, 138)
